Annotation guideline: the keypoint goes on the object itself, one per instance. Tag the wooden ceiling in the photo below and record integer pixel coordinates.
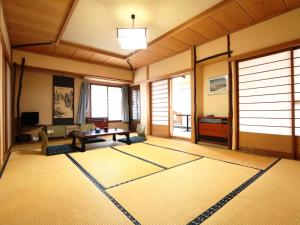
(38, 21)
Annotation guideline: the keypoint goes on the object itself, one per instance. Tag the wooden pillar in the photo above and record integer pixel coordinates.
(230, 105)
(194, 134)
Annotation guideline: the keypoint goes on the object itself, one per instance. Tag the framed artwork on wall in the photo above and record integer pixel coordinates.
(218, 85)
(63, 100)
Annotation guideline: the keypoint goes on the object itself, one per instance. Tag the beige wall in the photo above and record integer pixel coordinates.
(214, 104)
(71, 66)
(37, 95)
(170, 65)
(140, 75)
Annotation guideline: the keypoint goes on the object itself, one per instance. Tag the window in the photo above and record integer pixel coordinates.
(135, 104)
(265, 94)
(106, 102)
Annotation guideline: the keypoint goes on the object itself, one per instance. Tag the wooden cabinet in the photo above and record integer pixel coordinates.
(214, 129)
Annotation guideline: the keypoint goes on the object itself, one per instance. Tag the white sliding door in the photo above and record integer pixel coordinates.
(160, 108)
(265, 95)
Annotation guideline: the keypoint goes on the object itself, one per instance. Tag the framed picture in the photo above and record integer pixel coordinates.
(63, 100)
(218, 85)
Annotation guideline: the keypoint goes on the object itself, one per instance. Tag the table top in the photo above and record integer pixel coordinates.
(82, 134)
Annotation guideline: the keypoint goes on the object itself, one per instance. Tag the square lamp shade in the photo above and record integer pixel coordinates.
(132, 38)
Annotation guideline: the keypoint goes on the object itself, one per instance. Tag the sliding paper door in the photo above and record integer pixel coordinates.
(265, 104)
(160, 108)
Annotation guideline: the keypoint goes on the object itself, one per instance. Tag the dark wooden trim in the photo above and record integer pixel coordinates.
(14, 79)
(213, 56)
(131, 67)
(66, 21)
(293, 137)
(230, 105)
(150, 106)
(31, 44)
(19, 97)
(194, 74)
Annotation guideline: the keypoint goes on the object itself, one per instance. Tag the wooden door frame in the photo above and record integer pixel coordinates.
(258, 55)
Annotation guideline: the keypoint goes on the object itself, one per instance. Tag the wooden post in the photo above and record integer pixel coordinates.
(19, 98)
(230, 110)
(194, 137)
(14, 78)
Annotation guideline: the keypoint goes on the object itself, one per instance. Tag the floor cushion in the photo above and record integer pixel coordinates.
(135, 139)
(59, 149)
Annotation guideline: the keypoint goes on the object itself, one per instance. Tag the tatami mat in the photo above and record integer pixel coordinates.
(256, 161)
(53, 191)
(178, 195)
(272, 199)
(111, 167)
(157, 155)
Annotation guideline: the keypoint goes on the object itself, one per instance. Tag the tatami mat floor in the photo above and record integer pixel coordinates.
(160, 181)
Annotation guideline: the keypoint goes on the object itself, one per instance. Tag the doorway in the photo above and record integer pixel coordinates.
(180, 110)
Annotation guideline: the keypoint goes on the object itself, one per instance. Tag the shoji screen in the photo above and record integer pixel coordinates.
(265, 103)
(160, 108)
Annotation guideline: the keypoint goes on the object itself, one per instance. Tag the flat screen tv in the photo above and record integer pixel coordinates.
(30, 118)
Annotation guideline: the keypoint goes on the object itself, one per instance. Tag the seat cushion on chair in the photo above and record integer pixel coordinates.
(135, 139)
(59, 149)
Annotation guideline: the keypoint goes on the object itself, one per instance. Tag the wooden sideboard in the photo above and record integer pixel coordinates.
(213, 129)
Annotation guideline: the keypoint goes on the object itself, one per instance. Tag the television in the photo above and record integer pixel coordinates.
(30, 118)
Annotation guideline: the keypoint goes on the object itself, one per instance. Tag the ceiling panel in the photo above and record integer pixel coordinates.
(292, 3)
(209, 28)
(233, 17)
(98, 58)
(82, 54)
(190, 37)
(174, 44)
(43, 49)
(161, 50)
(259, 9)
(64, 51)
(32, 21)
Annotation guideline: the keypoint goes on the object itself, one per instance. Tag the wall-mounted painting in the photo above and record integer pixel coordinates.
(218, 85)
(63, 100)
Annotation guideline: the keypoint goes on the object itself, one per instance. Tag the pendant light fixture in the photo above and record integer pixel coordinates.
(132, 38)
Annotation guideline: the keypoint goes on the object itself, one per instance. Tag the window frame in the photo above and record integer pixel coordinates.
(107, 107)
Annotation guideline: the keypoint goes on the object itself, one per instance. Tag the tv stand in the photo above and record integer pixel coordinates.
(213, 129)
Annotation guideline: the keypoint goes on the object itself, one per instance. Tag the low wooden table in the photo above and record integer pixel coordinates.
(84, 136)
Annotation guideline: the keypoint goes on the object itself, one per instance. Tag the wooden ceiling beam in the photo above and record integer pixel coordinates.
(100, 51)
(66, 21)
